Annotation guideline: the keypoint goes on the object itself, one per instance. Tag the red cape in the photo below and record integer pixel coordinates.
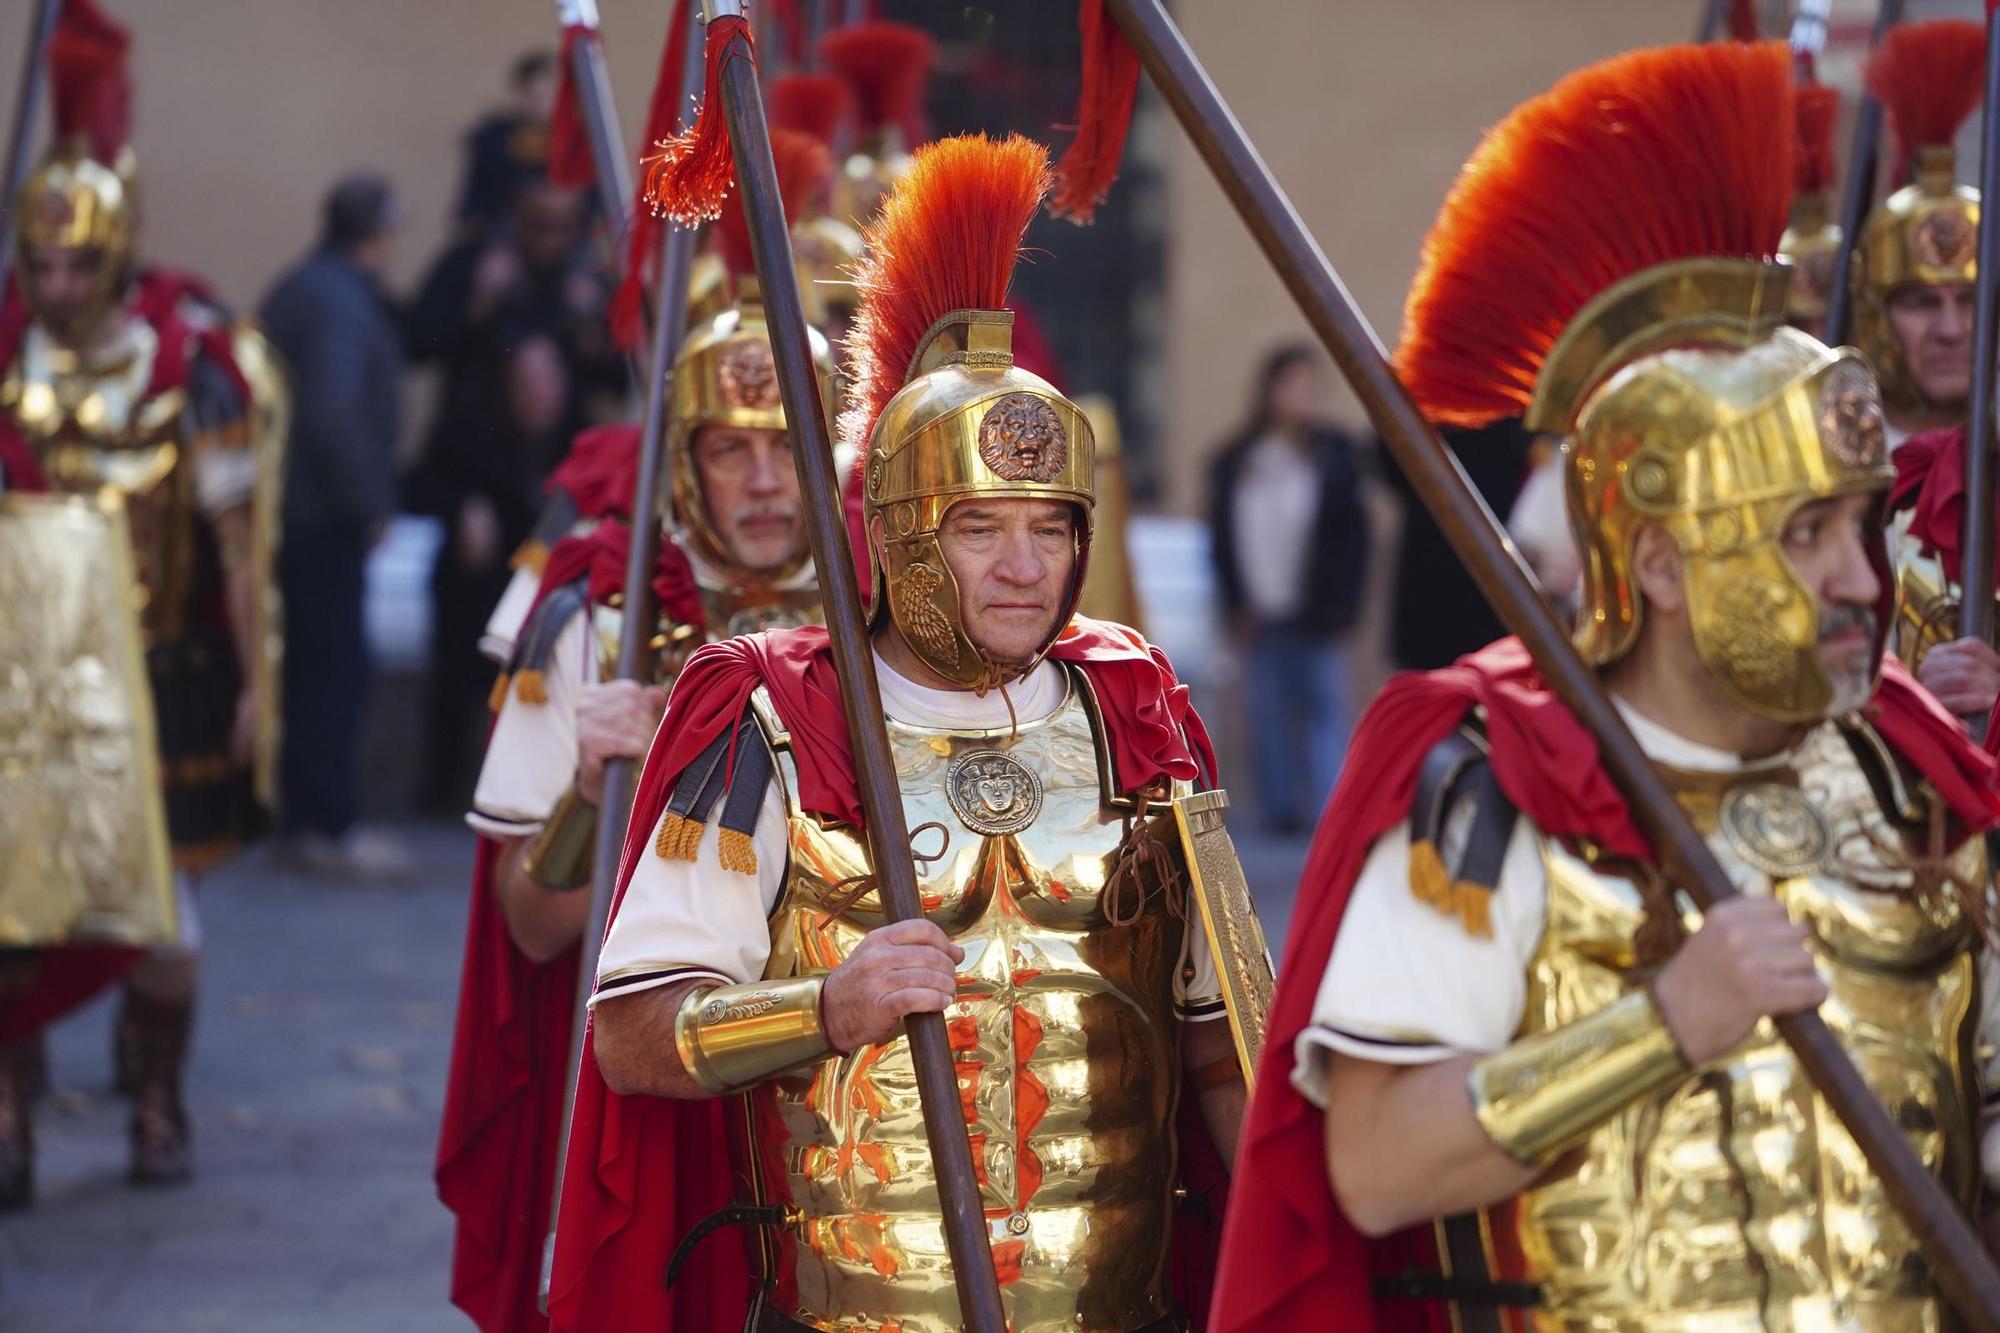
(1930, 483)
(620, 1222)
(600, 470)
(1290, 1257)
(499, 1140)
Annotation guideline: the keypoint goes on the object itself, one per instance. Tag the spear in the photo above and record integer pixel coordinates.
(34, 61)
(1955, 1253)
(1860, 187)
(614, 812)
(1975, 608)
(593, 94)
(881, 798)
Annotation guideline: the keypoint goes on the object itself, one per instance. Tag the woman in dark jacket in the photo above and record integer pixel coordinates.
(1290, 542)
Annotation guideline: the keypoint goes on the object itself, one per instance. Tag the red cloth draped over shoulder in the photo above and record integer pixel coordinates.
(1930, 483)
(498, 1144)
(620, 1219)
(600, 470)
(1289, 1254)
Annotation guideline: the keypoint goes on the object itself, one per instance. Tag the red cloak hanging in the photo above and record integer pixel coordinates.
(1930, 483)
(1290, 1258)
(498, 1144)
(642, 1171)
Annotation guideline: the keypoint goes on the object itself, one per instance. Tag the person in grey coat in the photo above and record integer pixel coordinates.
(335, 326)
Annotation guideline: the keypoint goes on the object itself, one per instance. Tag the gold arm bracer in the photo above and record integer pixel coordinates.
(730, 1037)
(560, 857)
(1542, 1094)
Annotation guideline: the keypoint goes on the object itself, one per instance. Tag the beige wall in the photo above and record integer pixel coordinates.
(246, 109)
(1364, 110)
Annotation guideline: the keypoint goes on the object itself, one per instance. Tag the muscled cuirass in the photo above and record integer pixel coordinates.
(1735, 1199)
(1064, 1035)
(92, 428)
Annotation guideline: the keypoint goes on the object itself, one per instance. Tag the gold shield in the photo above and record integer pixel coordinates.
(1235, 936)
(270, 417)
(83, 825)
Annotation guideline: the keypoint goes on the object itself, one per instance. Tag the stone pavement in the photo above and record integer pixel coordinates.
(318, 1074)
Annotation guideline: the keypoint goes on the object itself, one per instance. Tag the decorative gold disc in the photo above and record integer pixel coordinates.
(992, 792)
(1776, 829)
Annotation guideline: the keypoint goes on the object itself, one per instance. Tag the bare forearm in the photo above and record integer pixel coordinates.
(1206, 1046)
(1403, 1145)
(635, 1044)
(542, 922)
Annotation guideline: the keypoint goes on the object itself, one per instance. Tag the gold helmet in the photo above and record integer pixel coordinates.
(725, 374)
(941, 412)
(887, 66)
(84, 195)
(1928, 75)
(826, 249)
(1812, 238)
(1686, 401)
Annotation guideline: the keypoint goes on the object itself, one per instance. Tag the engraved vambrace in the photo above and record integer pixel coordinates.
(1544, 1093)
(730, 1037)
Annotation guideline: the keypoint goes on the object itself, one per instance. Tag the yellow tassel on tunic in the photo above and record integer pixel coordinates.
(530, 687)
(736, 851)
(667, 843)
(1430, 883)
(496, 697)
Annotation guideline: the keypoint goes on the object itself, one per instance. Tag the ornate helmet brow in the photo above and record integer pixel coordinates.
(1928, 76)
(938, 408)
(1657, 345)
(725, 374)
(84, 195)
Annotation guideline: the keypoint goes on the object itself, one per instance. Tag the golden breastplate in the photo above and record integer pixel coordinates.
(1735, 1200)
(1063, 1031)
(95, 428)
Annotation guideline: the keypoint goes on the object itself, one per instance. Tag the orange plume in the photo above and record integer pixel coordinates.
(946, 239)
(88, 81)
(1644, 158)
(1928, 76)
(803, 165)
(887, 65)
(810, 103)
(1815, 107)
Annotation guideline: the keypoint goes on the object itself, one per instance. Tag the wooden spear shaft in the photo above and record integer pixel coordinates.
(854, 662)
(615, 809)
(28, 100)
(1955, 1253)
(1975, 610)
(1858, 190)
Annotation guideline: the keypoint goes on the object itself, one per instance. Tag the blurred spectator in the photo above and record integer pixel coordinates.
(516, 323)
(1438, 612)
(509, 147)
(329, 317)
(1291, 551)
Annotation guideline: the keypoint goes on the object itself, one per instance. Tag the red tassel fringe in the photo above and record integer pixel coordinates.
(643, 226)
(570, 165)
(1644, 158)
(689, 180)
(1103, 116)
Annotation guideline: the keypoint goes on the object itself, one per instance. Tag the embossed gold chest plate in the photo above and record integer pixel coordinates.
(1063, 1032)
(1736, 1200)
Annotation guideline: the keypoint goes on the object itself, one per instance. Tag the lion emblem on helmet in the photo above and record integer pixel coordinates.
(1022, 439)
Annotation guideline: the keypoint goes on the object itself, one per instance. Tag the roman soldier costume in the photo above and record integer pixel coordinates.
(129, 644)
(1056, 809)
(1478, 887)
(497, 1155)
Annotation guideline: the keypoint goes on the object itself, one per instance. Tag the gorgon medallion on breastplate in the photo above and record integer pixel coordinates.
(1776, 829)
(992, 792)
